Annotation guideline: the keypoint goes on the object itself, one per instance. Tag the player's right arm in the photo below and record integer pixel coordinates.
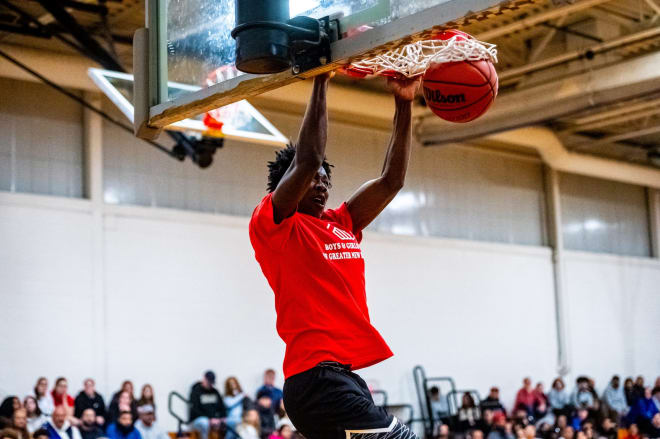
(310, 152)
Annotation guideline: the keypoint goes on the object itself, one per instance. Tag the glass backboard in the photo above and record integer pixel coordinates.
(191, 44)
(241, 120)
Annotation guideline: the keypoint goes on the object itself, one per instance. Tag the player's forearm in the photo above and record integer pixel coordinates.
(398, 153)
(314, 130)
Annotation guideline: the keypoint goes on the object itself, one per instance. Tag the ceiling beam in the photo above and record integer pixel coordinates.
(95, 49)
(609, 122)
(628, 108)
(606, 46)
(633, 79)
(557, 157)
(537, 19)
(619, 137)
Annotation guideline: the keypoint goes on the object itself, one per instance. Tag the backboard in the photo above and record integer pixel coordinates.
(241, 120)
(189, 42)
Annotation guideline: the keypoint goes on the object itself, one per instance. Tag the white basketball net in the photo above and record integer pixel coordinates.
(413, 59)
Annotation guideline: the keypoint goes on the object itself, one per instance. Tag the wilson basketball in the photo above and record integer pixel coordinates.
(460, 91)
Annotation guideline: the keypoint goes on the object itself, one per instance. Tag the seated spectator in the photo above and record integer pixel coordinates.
(588, 429)
(580, 418)
(438, 403)
(235, 402)
(124, 403)
(61, 397)
(469, 414)
(582, 396)
(519, 431)
(44, 400)
(249, 426)
(614, 400)
(8, 433)
(443, 432)
(545, 430)
(561, 422)
(492, 401)
(42, 433)
(59, 427)
(486, 424)
(147, 397)
(638, 387)
(206, 406)
(475, 434)
(540, 402)
(558, 398)
(643, 412)
(147, 424)
(19, 423)
(567, 433)
(266, 413)
(89, 427)
(126, 386)
(654, 429)
(123, 428)
(608, 429)
(268, 387)
(629, 391)
(282, 417)
(655, 393)
(7, 408)
(88, 398)
(632, 432)
(283, 432)
(525, 398)
(35, 419)
(529, 432)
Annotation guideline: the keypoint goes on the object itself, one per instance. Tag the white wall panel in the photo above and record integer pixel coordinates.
(40, 140)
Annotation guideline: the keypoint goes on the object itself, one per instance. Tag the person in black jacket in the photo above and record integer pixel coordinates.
(89, 429)
(88, 398)
(206, 406)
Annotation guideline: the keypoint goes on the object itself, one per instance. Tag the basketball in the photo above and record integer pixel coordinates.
(460, 91)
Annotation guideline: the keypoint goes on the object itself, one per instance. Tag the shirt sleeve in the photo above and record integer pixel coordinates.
(342, 216)
(264, 232)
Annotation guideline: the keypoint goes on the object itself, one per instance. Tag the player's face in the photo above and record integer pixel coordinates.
(313, 202)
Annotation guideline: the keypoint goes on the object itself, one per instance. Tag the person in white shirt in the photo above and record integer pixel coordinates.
(58, 426)
(35, 419)
(147, 425)
(249, 428)
(44, 400)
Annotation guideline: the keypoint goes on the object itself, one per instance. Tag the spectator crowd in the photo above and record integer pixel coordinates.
(622, 411)
(55, 414)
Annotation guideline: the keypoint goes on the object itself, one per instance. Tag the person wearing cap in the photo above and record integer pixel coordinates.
(501, 429)
(147, 424)
(206, 406)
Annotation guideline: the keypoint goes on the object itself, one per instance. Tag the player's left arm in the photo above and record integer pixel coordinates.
(373, 196)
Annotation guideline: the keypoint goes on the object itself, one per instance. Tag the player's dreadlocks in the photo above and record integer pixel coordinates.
(278, 167)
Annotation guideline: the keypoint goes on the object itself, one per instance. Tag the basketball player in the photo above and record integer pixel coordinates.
(311, 258)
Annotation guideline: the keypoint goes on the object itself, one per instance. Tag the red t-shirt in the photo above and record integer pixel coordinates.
(316, 271)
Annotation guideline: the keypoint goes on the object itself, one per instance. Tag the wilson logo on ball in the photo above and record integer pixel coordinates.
(437, 97)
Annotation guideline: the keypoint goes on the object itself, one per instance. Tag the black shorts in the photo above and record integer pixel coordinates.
(331, 402)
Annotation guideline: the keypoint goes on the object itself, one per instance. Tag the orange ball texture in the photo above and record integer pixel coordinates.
(460, 91)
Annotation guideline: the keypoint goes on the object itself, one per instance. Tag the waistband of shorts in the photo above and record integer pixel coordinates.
(335, 365)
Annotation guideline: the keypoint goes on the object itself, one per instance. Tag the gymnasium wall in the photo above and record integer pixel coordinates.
(181, 293)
